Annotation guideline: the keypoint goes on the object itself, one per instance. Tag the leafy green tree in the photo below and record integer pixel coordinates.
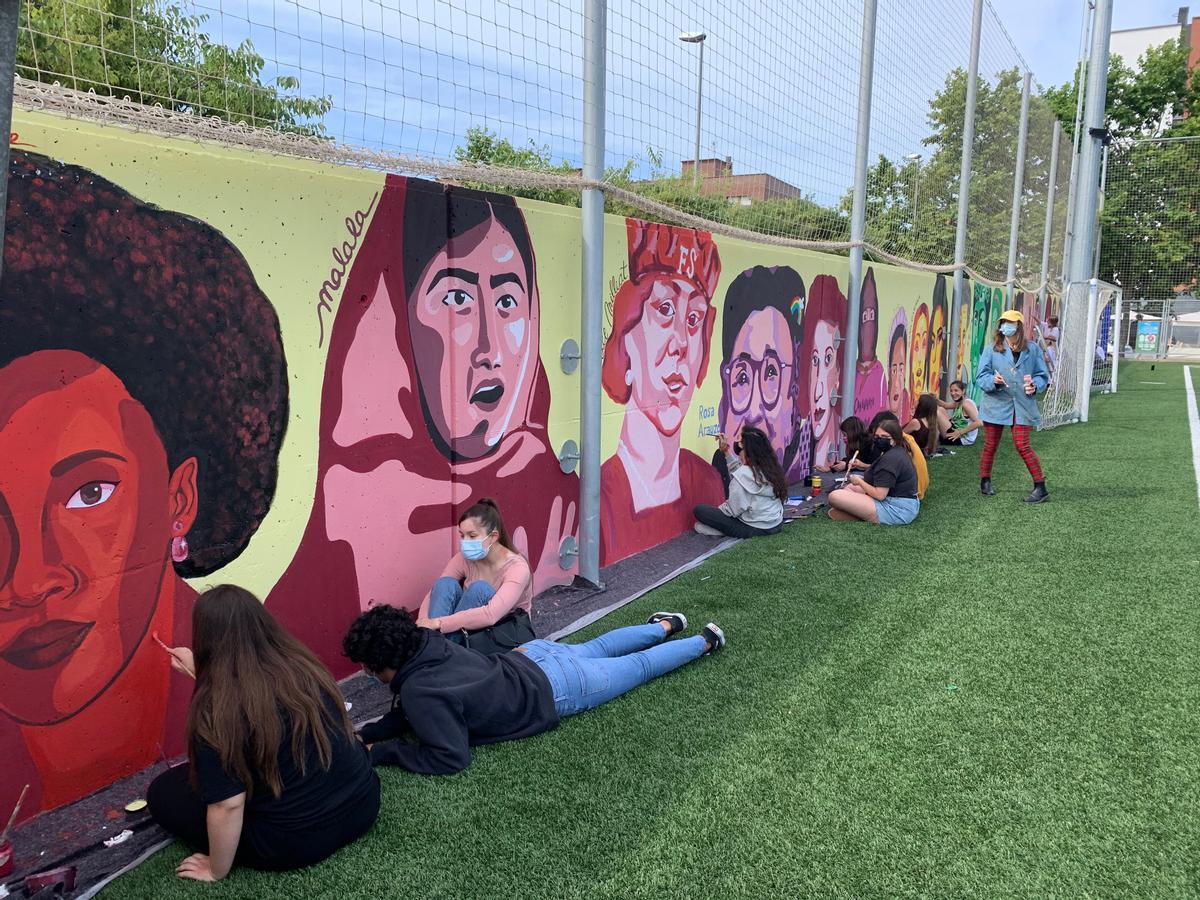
(154, 53)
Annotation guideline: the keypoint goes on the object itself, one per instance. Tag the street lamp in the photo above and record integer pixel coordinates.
(912, 241)
(697, 37)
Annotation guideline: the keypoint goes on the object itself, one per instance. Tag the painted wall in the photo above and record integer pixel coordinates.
(222, 366)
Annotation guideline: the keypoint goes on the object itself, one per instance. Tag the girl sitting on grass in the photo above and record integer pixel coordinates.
(887, 493)
(275, 778)
(757, 490)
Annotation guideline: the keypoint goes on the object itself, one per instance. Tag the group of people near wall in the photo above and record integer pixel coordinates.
(885, 461)
(277, 777)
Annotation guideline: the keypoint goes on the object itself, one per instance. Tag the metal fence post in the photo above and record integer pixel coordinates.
(1087, 187)
(1014, 226)
(10, 16)
(595, 26)
(858, 214)
(1050, 197)
(1118, 344)
(1081, 71)
(964, 177)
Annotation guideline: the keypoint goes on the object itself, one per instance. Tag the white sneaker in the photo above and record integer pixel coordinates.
(701, 528)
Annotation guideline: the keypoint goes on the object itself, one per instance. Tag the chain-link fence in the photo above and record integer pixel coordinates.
(1151, 245)
(740, 115)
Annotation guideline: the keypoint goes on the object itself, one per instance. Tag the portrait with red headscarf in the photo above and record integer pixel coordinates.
(434, 397)
(654, 359)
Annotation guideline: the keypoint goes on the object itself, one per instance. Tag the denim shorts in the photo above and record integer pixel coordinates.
(897, 510)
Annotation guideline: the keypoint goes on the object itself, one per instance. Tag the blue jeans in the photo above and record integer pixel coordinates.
(583, 676)
(448, 596)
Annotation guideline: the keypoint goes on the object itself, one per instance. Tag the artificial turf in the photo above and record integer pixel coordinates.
(997, 700)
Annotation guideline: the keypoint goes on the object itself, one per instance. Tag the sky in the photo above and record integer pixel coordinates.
(780, 81)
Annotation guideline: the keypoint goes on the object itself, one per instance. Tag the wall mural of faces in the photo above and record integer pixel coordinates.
(145, 399)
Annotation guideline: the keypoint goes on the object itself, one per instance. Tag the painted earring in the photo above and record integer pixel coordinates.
(628, 377)
(179, 544)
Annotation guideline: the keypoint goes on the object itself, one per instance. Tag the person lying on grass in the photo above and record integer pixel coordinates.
(275, 778)
(887, 493)
(757, 490)
(452, 698)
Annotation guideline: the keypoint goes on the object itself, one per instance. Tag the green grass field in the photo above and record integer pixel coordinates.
(998, 700)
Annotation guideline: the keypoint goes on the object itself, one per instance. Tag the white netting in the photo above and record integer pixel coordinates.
(490, 91)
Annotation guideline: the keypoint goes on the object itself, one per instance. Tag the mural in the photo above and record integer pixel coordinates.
(937, 382)
(143, 402)
(821, 377)
(898, 381)
(964, 336)
(987, 305)
(655, 357)
(302, 391)
(870, 388)
(762, 343)
(434, 397)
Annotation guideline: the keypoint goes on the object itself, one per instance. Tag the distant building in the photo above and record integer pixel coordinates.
(1132, 43)
(717, 180)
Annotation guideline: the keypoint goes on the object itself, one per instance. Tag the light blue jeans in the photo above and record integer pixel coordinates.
(448, 596)
(584, 676)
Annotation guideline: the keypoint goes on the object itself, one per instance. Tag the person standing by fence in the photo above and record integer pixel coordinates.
(1011, 375)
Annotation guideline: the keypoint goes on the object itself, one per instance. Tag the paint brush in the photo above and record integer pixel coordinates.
(13, 818)
(850, 466)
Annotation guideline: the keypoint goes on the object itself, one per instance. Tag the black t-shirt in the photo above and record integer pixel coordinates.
(894, 471)
(311, 800)
(866, 454)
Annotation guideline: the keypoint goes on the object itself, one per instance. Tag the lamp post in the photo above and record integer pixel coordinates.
(697, 37)
(912, 241)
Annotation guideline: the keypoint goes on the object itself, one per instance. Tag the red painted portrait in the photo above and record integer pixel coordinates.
(434, 397)
(655, 357)
(143, 401)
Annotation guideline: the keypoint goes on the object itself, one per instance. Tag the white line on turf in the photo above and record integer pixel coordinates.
(1194, 422)
(1151, 382)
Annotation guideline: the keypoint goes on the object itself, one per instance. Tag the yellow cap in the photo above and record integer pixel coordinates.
(1012, 315)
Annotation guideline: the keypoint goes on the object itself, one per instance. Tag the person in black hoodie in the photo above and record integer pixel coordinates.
(451, 698)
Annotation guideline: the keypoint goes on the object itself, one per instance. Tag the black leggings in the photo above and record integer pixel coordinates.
(728, 525)
(179, 809)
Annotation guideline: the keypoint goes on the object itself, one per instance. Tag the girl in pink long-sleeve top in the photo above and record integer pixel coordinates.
(482, 583)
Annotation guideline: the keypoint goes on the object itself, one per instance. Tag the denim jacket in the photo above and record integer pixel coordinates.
(1010, 405)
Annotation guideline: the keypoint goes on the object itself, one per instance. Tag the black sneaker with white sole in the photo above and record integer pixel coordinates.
(678, 621)
(715, 637)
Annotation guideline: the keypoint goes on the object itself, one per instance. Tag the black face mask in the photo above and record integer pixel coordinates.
(737, 448)
(882, 444)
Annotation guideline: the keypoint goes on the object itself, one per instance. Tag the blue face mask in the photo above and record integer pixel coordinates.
(473, 549)
(1008, 329)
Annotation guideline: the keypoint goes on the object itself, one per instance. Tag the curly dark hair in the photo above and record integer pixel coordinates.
(170, 306)
(384, 637)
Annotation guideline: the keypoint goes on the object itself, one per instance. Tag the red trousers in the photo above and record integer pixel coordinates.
(1020, 436)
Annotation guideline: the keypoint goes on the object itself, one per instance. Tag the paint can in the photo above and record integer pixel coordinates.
(6, 859)
(816, 485)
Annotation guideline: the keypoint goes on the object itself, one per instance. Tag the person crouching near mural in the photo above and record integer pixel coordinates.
(959, 417)
(275, 778)
(887, 493)
(924, 426)
(485, 594)
(757, 490)
(1011, 375)
(860, 446)
(452, 698)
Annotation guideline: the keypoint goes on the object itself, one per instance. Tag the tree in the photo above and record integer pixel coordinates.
(1150, 223)
(150, 51)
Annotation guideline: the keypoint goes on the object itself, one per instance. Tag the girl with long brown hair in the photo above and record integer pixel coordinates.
(757, 490)
(925, 424)
(276, 778)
